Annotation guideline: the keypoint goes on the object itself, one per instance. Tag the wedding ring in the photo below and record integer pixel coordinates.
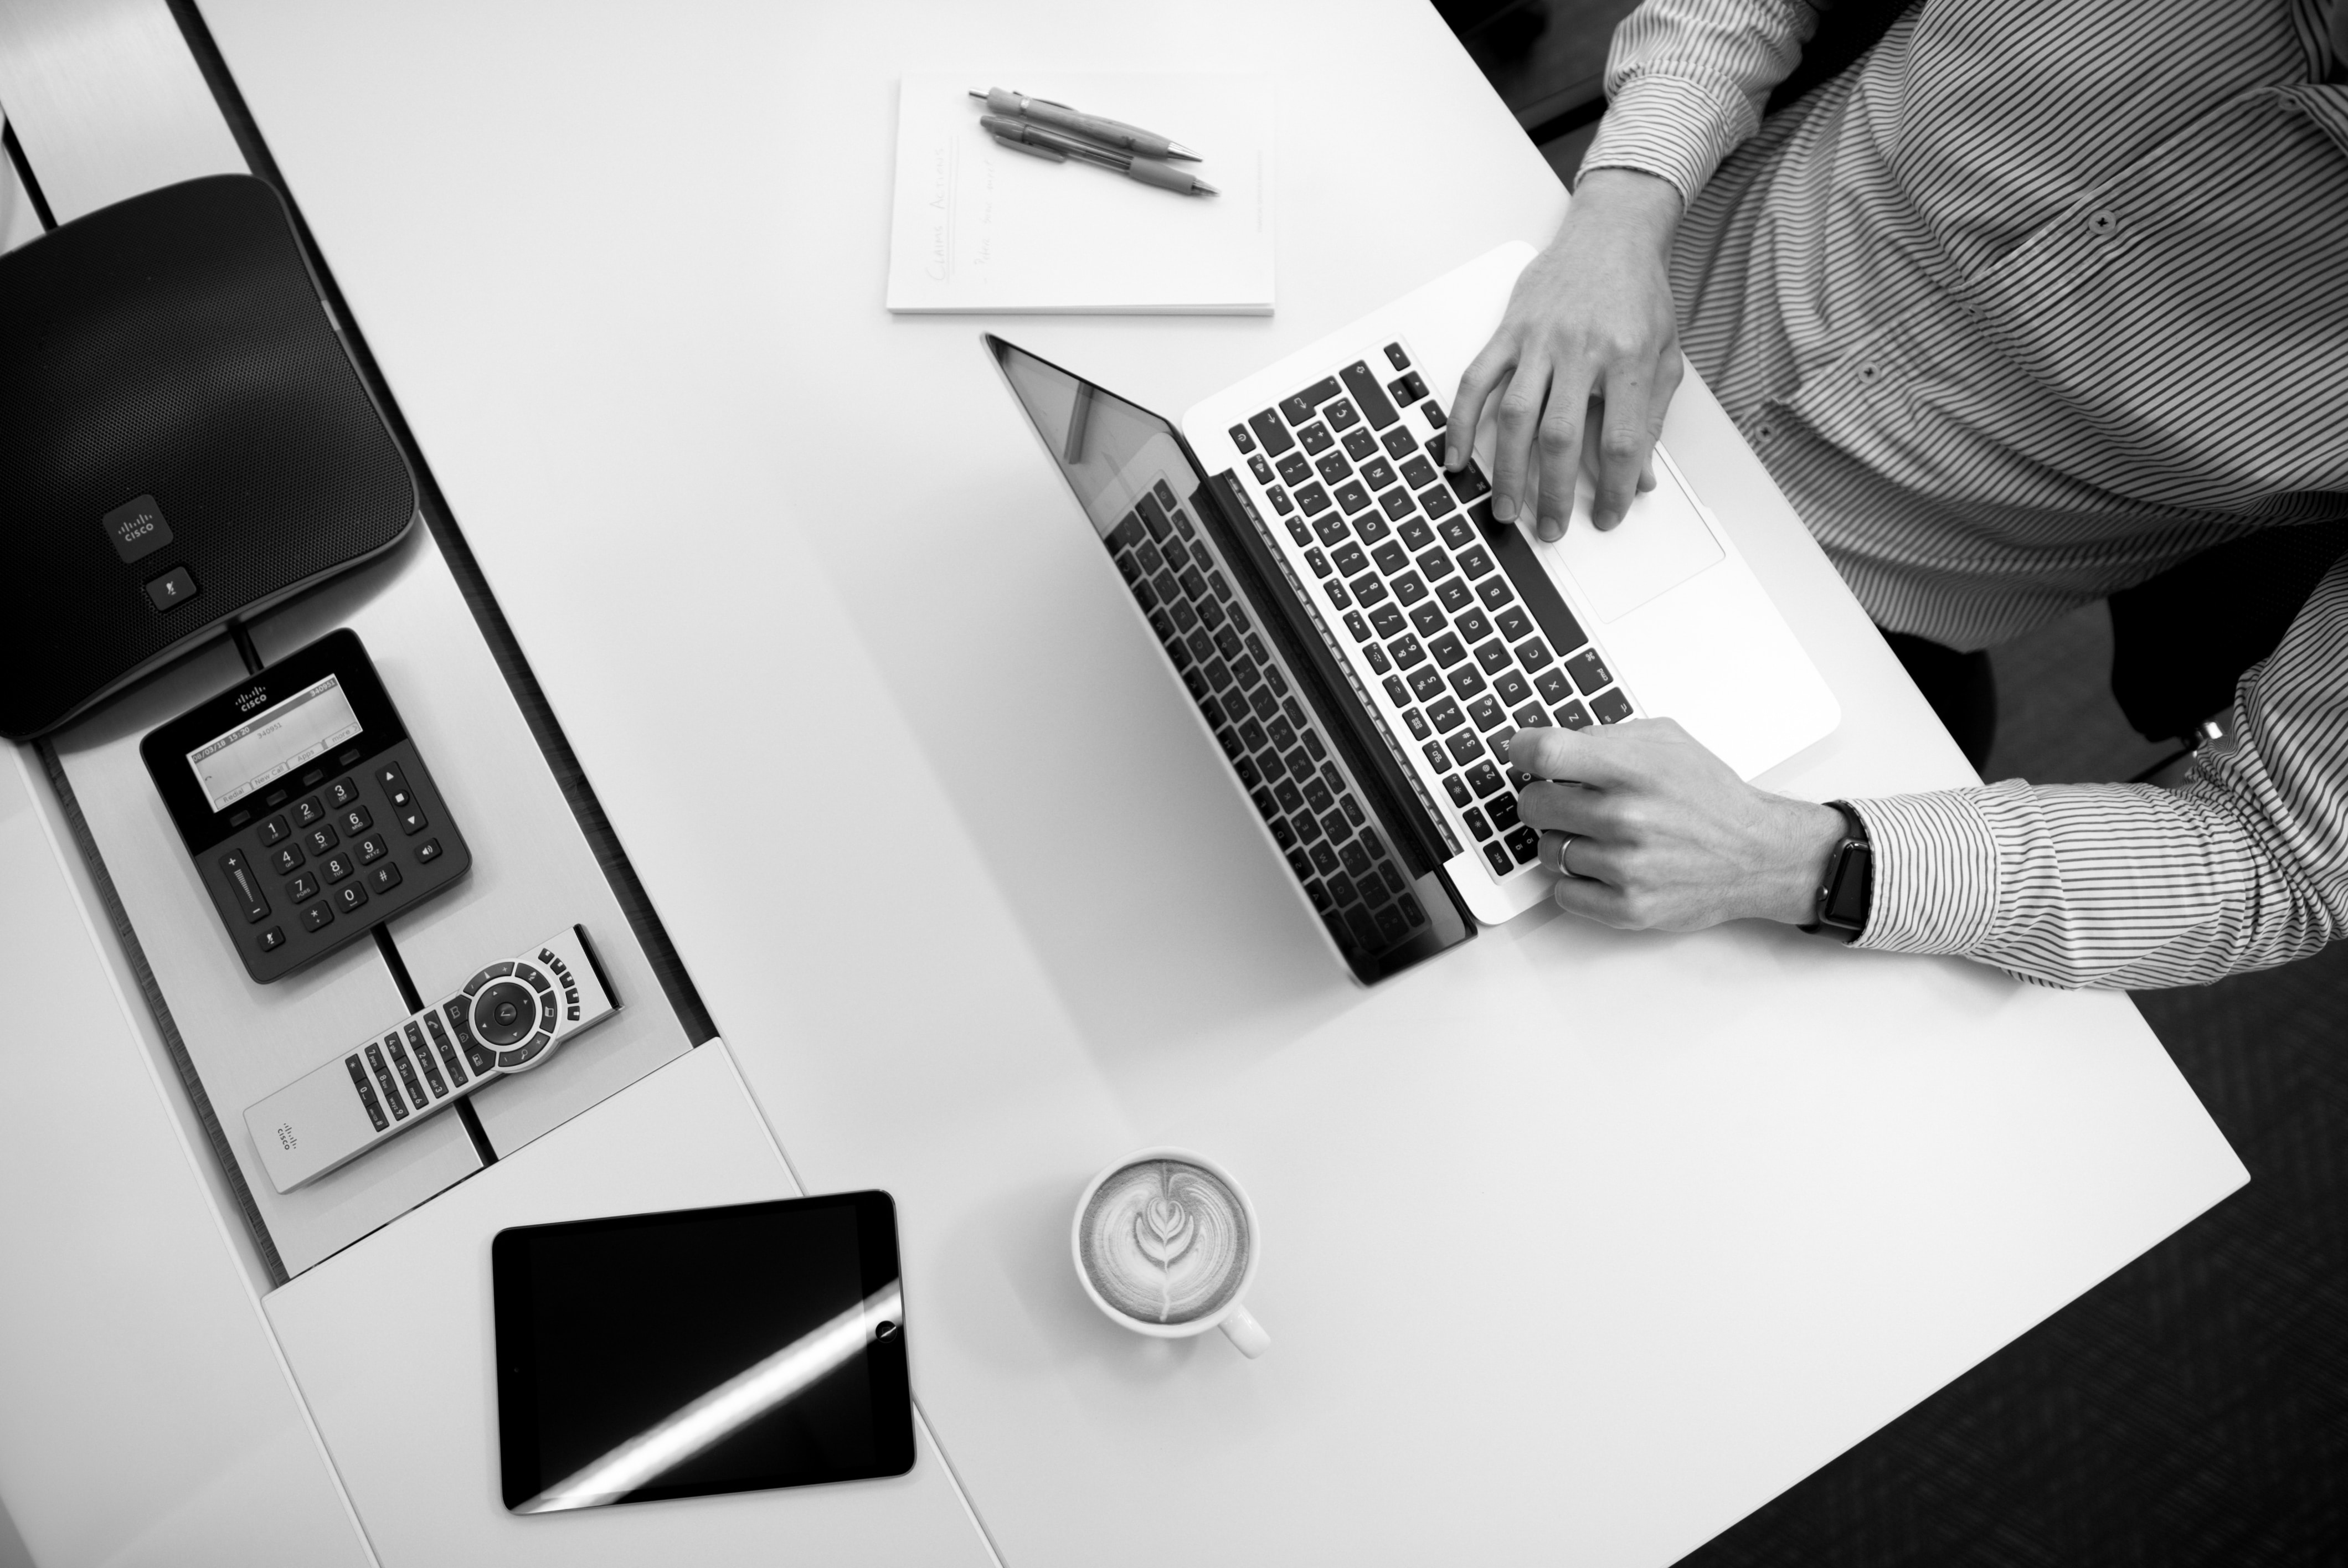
(1564, 847)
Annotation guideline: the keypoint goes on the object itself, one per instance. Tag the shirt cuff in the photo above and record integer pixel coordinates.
(1671, 126)
(1935, 872)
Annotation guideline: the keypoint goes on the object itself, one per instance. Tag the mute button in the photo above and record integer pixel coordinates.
(172, 590)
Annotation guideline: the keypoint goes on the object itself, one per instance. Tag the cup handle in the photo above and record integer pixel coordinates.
(1245, 1333)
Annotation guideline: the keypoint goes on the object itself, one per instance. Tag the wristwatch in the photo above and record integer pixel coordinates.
(1848, 886)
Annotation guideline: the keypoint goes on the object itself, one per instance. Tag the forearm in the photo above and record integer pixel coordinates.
(1685, 81)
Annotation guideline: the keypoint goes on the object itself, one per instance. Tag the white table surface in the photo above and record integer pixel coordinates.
(1580, 1246)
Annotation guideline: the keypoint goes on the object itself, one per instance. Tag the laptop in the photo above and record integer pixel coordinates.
(1361, 638)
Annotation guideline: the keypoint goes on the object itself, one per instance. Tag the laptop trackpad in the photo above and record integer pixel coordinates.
(1660, 543)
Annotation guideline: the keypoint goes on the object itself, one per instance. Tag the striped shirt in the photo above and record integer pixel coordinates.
(2038, 299)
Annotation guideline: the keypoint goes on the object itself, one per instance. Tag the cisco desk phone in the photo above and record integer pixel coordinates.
(310, 816)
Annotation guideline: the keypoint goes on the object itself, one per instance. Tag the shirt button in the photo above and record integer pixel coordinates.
(2104, 222)
(1868, 372)
(1765, 430)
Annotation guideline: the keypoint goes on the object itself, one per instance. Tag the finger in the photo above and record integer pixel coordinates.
(1490, 368)
(1592, 901)
(1562, 808)
(1584, 756)
(1563, 431)
(1647, 473)
(1577, 855)
(1517, 429)
(1659, 404)
(1624, 445)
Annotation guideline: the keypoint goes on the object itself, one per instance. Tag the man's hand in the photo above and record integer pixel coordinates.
(1663, 835)
(1589, 356)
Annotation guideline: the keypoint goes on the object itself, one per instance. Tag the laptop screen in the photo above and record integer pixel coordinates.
(1110, 450)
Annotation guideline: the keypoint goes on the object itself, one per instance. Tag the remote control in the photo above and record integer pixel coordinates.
(508, 1019)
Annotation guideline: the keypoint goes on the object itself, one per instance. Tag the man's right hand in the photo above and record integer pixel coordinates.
(1588, 355)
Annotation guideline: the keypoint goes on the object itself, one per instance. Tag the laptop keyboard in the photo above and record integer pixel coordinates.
(1447, 614)
(1305, 792)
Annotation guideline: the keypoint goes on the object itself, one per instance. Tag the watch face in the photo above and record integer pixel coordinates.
(1849, 886)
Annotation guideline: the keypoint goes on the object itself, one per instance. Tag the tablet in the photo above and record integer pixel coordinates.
(701, 1350)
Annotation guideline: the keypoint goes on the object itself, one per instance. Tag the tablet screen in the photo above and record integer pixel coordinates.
(701, 1350)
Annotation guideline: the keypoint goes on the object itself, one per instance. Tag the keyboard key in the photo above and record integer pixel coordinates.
(1432, 412)
(1281, 832)
(1369, 588)
(1533, 653)
(1315, 439)
(1407, 388)
(1497, 742)
(1349, 558)
(1369, 394)
(1376, 656)
(304, 888)
(1392, 926)
(1386, 620)
(1427, 685)
(1588, 670)
(1485, 780)
(343, 792)
(1495, 594)
(1396, 692)
(1250, 738)
(1318, 562)
(1448, 650)
(1356, 859)
(1371, 526)
(1319, 894)
(1300, 864)
(1487, 712)
(1308, 827)
(1340, 414)
(1457, 791)
(1215, 580)
(1428, 620)
(1299, 408)
(1434, 563)
(1398, 441)
(1400, 359)
(1475, 562)
(1457, 532)
(1553, 686)
(1242, 439)
(1408, 589)
(1333, 469)
(1467, 484)
(1467, 681)
(308, 813)
(1436, 757)
(1474, 627)
(1497, 854)
(1193, 584)
(272, 939)
(1333, 531)
(1341, 889)
(1202, 646)
(1178, 555)
(1337, 594)
(1465, 748)
(274, 832)
(1512, 688)
(1405, 652)
(1377, 474)
(1295, 470)
(1493, 656)
(1359, 444)
(1476, 822)
(356, 821)
(1325, 860)
(1270, 432)
(1525, 844)
(317, 917)
(1395, 502)
(1503, 808)
(1313, 498)
(320, 839)
(284, 859)
(1572, 716)
(1417, 472)
(1317, 795)
(1390, 556)
(1437, 500)
(1416, 723)
(1444, 716)
(1127, 535)
(1334, 825)
(1455, 594)
(1415, 532)
(1531, 716)
(1612, 707)
(1514, 623)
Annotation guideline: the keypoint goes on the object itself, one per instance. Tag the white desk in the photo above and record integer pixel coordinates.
(977, 911)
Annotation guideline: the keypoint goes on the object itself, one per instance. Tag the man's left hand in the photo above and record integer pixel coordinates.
(1657, 833)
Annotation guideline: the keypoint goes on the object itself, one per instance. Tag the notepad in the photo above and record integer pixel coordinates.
(980, 227)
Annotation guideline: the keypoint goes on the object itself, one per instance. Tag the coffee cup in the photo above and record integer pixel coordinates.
(1166, 1244)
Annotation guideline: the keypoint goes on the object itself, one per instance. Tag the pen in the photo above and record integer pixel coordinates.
(1109, 133)
(1034, 138)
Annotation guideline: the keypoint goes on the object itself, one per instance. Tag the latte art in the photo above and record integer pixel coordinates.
(1164, 1241)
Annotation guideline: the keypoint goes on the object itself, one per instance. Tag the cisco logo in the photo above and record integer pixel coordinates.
(285, 1136)
(136, 528)
(252, 697)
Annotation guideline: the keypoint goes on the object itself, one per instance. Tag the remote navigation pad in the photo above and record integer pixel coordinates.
(508, 1019)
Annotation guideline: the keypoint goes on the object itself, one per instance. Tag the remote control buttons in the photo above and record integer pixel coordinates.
(383, 1076)
(460, 1016)
(504, 1013)
(367, 1092)
(523, 1056)
(447, 1052)
(535, 980)
(473, 986)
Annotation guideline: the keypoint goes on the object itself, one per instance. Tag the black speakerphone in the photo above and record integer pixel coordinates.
(310, 816)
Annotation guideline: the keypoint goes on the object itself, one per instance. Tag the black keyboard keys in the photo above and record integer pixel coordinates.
(1299, 408)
